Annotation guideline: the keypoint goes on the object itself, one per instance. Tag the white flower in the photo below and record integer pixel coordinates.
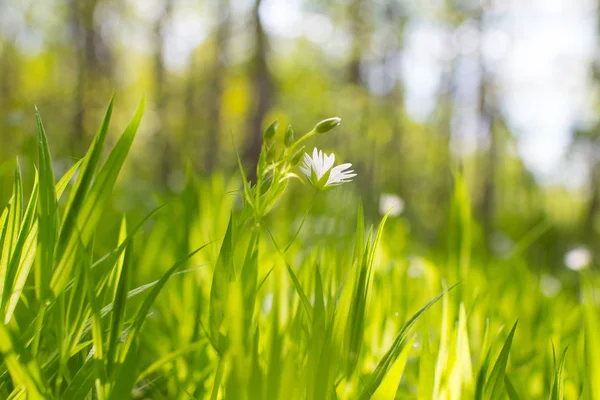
(578, 258)
(392, 203)
(550, 286)
(322, 174)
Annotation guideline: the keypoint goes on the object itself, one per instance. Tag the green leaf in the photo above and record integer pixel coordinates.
(556, 392)
(11, 236)
(142, 313)
(495, 382)
(90, 208)
(223, 274)
(249, 277)
(298, 287)
(23, 368)
(376, 377)
(126, 375)
(122, 274)
(47, 212)
(389, 385)
(510, 389)
(22, 256)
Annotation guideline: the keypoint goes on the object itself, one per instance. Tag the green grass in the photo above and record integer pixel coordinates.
(244, 296)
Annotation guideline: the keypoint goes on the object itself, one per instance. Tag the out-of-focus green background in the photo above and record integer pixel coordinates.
(507, 89)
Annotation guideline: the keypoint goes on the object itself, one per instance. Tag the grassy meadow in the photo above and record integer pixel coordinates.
(270, 284)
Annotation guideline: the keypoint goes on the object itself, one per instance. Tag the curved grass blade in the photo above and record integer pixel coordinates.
(376, 377)
(494, 384)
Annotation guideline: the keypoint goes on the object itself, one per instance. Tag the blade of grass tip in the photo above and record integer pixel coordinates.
(3, 223)
(145, 308)
(354, 331)
(42, 281)
(493, 386)
(484, 363)
(297, 286)
(303, 297)
(247, 192)
(442, 369)
(22, 257)
(316, 339)
(426, 366)
(301, 224)
(376, 377)
(62, 183)
(459, 250)
(47, 212)
(84, 180)
(556, 392)
(511, 391)
(25, 263)
(12, 232)
(362, 294)
(223, 274)
(94, 203)
(122, 277)
(389, 385)
(111, 257)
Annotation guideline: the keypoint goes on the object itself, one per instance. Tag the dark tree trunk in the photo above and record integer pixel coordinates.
(216, 88)
(594, 204)
(93, 68)
(263, 93)
(161, 137)
(357, 32)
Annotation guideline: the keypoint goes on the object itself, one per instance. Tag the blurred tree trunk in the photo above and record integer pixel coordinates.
(263, 92)
(487, 115)
(215, 93)
(94, 67)
(357, 32)
(160, 134)
(9, 89)
(594, 203)
(396, 21)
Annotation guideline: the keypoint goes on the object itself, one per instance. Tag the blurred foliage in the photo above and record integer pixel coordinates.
(232, 76)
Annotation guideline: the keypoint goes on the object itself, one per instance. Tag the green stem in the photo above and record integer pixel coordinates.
(302, 139)
(312, 200)
(218, 377)
(39, 323)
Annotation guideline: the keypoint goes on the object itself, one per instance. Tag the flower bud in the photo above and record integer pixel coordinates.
(270, 131)
(327, 124)
(289, 136)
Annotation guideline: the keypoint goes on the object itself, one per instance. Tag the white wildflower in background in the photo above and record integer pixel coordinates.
(578, 258)
(549, 285)
(322, 174)
(392, 203)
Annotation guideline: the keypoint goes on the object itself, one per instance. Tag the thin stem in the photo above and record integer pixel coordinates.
(218, 377)
(302, 139)
(312, 200)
